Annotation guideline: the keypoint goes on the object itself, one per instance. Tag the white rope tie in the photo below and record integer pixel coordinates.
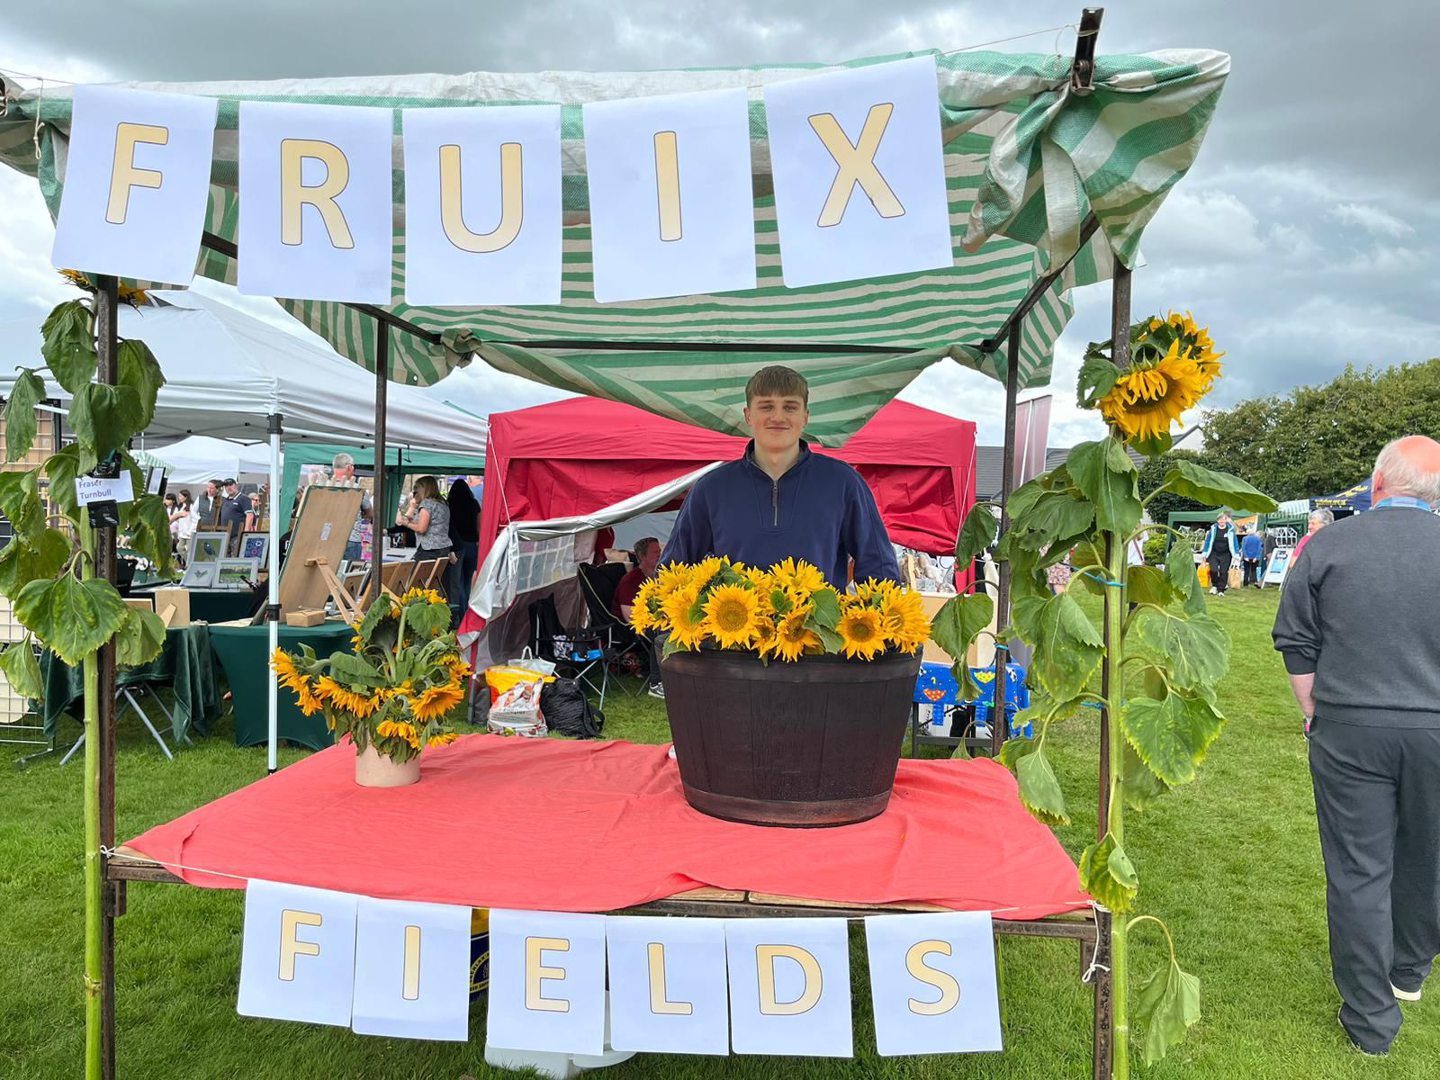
(1095, 964)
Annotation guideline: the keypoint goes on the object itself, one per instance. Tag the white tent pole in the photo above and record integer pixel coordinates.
(272, 609)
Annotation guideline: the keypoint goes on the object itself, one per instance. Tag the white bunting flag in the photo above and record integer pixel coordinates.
(482, 206)
(671, 200)
(412, 970)
(297, 961)
(547, 982)
(136, 184)
(667, 985)
(789, 987)
(859, 173)
(932, 979)
(315, 201)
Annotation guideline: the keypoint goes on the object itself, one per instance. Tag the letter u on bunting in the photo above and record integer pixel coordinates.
(136, 184)
(482, 206)
(859, 173)
(315, 201)
(671, 201)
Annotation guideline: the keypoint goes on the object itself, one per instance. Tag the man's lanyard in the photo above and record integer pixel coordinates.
(1408, 501)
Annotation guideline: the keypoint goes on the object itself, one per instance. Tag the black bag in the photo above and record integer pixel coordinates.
(567, 710)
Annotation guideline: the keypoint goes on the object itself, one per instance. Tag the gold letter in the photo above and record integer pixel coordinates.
(667, 184)
(294, 194)
(535, 972)
(857, 165)
(941, 980)
(290, 946)
(123, 173)
(765, 957)
(412, 964)
(659, 1005)
(512, 201)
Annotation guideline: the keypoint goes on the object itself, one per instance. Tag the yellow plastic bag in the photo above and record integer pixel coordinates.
(1203, 570)
(503, 677)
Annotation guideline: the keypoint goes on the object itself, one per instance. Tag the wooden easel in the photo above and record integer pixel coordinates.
(317, 545)
(345, 604)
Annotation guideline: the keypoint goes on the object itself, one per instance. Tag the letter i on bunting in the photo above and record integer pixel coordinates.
(136, 184)
(412, 970)
(667, 985)
(547, 982)
(859, 173)
(315, 201)
(671, 199)
(483, 216)
(932, 980)
(790, 987)
(298, 957)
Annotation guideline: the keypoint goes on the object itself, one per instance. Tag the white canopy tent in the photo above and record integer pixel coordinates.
(199, 458)
(229, 375)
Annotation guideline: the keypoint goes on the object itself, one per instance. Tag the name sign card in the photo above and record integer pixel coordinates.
(687, 986)
(857, 158)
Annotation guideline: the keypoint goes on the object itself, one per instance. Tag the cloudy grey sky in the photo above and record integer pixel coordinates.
(1306, 235)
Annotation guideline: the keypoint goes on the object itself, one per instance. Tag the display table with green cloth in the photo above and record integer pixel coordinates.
(243, 651)
(214, 605)
(185, 663)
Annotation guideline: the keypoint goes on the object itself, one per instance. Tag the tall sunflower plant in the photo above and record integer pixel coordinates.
(400, 688)
(1153, 660)
(784, 613)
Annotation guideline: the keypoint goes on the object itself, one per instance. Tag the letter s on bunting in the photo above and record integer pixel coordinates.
(136, 183)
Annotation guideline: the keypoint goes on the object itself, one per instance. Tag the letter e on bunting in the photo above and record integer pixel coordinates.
(671, 202)
(667, 985)
(790, 987)
(315, 202)
(412, 970)
(136, 184)
(297, 961)
(482, 206)
(932, 980)
(859, 173)
(547, 982)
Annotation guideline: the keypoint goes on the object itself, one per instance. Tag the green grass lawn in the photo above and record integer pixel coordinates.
(1231, 862)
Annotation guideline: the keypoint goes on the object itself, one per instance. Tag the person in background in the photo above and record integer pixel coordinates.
(1220, 550)
(185, 506)
(622, 604)
(1252, 554)
(208, 504)
(342, 474)
(236, 513)
(428, 516)
(174, 513)
(1318, 520)
(464, 536)
(1358, 630)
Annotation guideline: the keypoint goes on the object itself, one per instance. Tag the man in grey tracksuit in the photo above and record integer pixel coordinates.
(1359, 628)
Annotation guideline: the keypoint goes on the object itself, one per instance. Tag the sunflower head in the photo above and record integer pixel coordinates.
(860, 633)
(793, 639)
(1145, 402)
(903, 620)
(798, 576)
(730, 617)
(680, 610)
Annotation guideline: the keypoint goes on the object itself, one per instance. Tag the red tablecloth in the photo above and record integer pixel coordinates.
(598, 826)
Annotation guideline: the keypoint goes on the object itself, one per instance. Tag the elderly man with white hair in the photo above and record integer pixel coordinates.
(342, 473)
(1359, 628)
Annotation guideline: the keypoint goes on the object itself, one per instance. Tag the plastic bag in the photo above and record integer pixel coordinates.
(530, 662)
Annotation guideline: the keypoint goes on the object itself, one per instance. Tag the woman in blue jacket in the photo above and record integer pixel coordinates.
(1221, 549)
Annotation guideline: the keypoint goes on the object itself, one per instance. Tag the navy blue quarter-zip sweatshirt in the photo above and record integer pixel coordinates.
(819, 510)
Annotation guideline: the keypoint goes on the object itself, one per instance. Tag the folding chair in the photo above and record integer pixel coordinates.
(598, 585)
(396, 576)
(125, 695)
(579, 653)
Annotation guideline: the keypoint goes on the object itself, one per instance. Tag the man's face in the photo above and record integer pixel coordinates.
(776, 422)
(1224, 520)
(232, 490)
(344, 472)
(210, 489)
(650, 560)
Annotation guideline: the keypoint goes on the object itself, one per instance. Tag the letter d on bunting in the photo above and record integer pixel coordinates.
(790, 987)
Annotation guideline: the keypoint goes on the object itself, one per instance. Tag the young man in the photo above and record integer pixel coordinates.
(781, 501)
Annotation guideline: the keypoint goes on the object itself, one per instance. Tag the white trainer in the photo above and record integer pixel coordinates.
(1405, 995)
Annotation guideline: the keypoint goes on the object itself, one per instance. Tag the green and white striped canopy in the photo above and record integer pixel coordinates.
(1027, 160)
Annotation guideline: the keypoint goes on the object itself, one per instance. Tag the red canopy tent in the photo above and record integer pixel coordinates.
(580, 455)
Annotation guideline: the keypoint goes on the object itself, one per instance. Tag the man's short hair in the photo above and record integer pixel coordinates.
(342, 461)
(777, 381)
(1404, 476)
(644, 544)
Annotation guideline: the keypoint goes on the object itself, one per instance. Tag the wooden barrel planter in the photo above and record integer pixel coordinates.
(807, 744)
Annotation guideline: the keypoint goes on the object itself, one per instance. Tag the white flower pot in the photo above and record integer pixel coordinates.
(373, 769)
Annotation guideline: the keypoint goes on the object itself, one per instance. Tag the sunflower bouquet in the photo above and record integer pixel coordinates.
(400, 688)
(783, 613)
(1173, 364)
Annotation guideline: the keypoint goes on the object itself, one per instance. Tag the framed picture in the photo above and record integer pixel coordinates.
(255, 545)
(200, 575)
(236, 573)
(208, 547)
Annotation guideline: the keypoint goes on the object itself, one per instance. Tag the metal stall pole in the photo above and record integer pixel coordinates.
(272, 604)
(999, 728)
(112, 894)
(377, 546)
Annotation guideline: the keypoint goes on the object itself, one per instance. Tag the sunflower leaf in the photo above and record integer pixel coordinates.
(1099, 864)
(72, 617)
(1171, 735)
(1167, 1005)
(977, 534)
(69, 347)
(826, 612)
(28, 391)
(22, 670)
(1097, 378)
(140, 639)
(1215, 488)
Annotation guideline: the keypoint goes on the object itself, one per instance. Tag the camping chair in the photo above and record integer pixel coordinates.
(598, 585)
(579, 653)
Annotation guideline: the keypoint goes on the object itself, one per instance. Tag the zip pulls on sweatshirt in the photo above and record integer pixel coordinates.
(774, 502)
